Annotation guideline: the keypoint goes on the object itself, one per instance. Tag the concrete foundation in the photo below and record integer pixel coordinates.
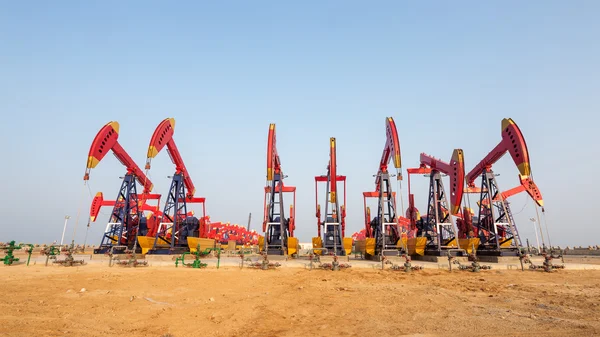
(277, 257)
(500, 259)
(438, 259)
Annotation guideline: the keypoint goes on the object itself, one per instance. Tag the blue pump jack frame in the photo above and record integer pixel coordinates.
(277, 229)
(124, 213)
(175, 206)
(386, 234)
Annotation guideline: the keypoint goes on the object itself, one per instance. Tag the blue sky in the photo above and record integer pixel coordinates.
(447, 72)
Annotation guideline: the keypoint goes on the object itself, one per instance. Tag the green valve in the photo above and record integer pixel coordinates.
(196, 263)
(69, 261)
(9, 259)
(51, 253)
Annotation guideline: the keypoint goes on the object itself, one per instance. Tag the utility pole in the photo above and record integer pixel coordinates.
(249, 218)
(67, 217)
(536, 236)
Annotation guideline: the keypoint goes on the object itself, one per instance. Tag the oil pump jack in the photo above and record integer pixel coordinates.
(145, 222)
(437, 227)
(176, 225)
(494, 225)
(383, 232)
(148, 225)
(333, 226)
(126, 216)
(98, 202)
(279, 232)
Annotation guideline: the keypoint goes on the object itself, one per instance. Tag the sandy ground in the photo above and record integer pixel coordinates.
(161, 300)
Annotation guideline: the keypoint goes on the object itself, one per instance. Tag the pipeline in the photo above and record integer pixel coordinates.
(546, 266)
(51, 253)
(9, 259)
(197, 264)
(384, 259)
(335, 265)
(312, 257)
(69, 261)
(131, 261)
(241, 254)
(475, 266)
(406, 267)
(264, 264)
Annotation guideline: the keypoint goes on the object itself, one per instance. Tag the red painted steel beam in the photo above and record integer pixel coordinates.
(163, 135)
(455, 169)
(107, 140)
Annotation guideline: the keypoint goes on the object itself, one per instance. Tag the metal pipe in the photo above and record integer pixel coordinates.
(219, 257)
(30, 250)
(383, 258)
(457, 250)
(313, 250)
(450, 257)
(111, 252)
(181, 258)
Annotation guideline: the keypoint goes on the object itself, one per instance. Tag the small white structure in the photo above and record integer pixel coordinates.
(305, 248)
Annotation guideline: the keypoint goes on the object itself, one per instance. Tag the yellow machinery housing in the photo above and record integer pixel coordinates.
(147, 242)
(317, 242)
(416, 246)
(203, 242)
(367, 246)
(468, 244)
(292, 246)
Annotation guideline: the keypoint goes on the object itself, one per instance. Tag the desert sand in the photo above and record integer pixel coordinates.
(167, 301)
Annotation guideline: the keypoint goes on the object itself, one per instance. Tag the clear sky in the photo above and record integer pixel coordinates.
(448, 72)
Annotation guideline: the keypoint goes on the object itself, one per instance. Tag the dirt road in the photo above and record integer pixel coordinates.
(163, 301)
